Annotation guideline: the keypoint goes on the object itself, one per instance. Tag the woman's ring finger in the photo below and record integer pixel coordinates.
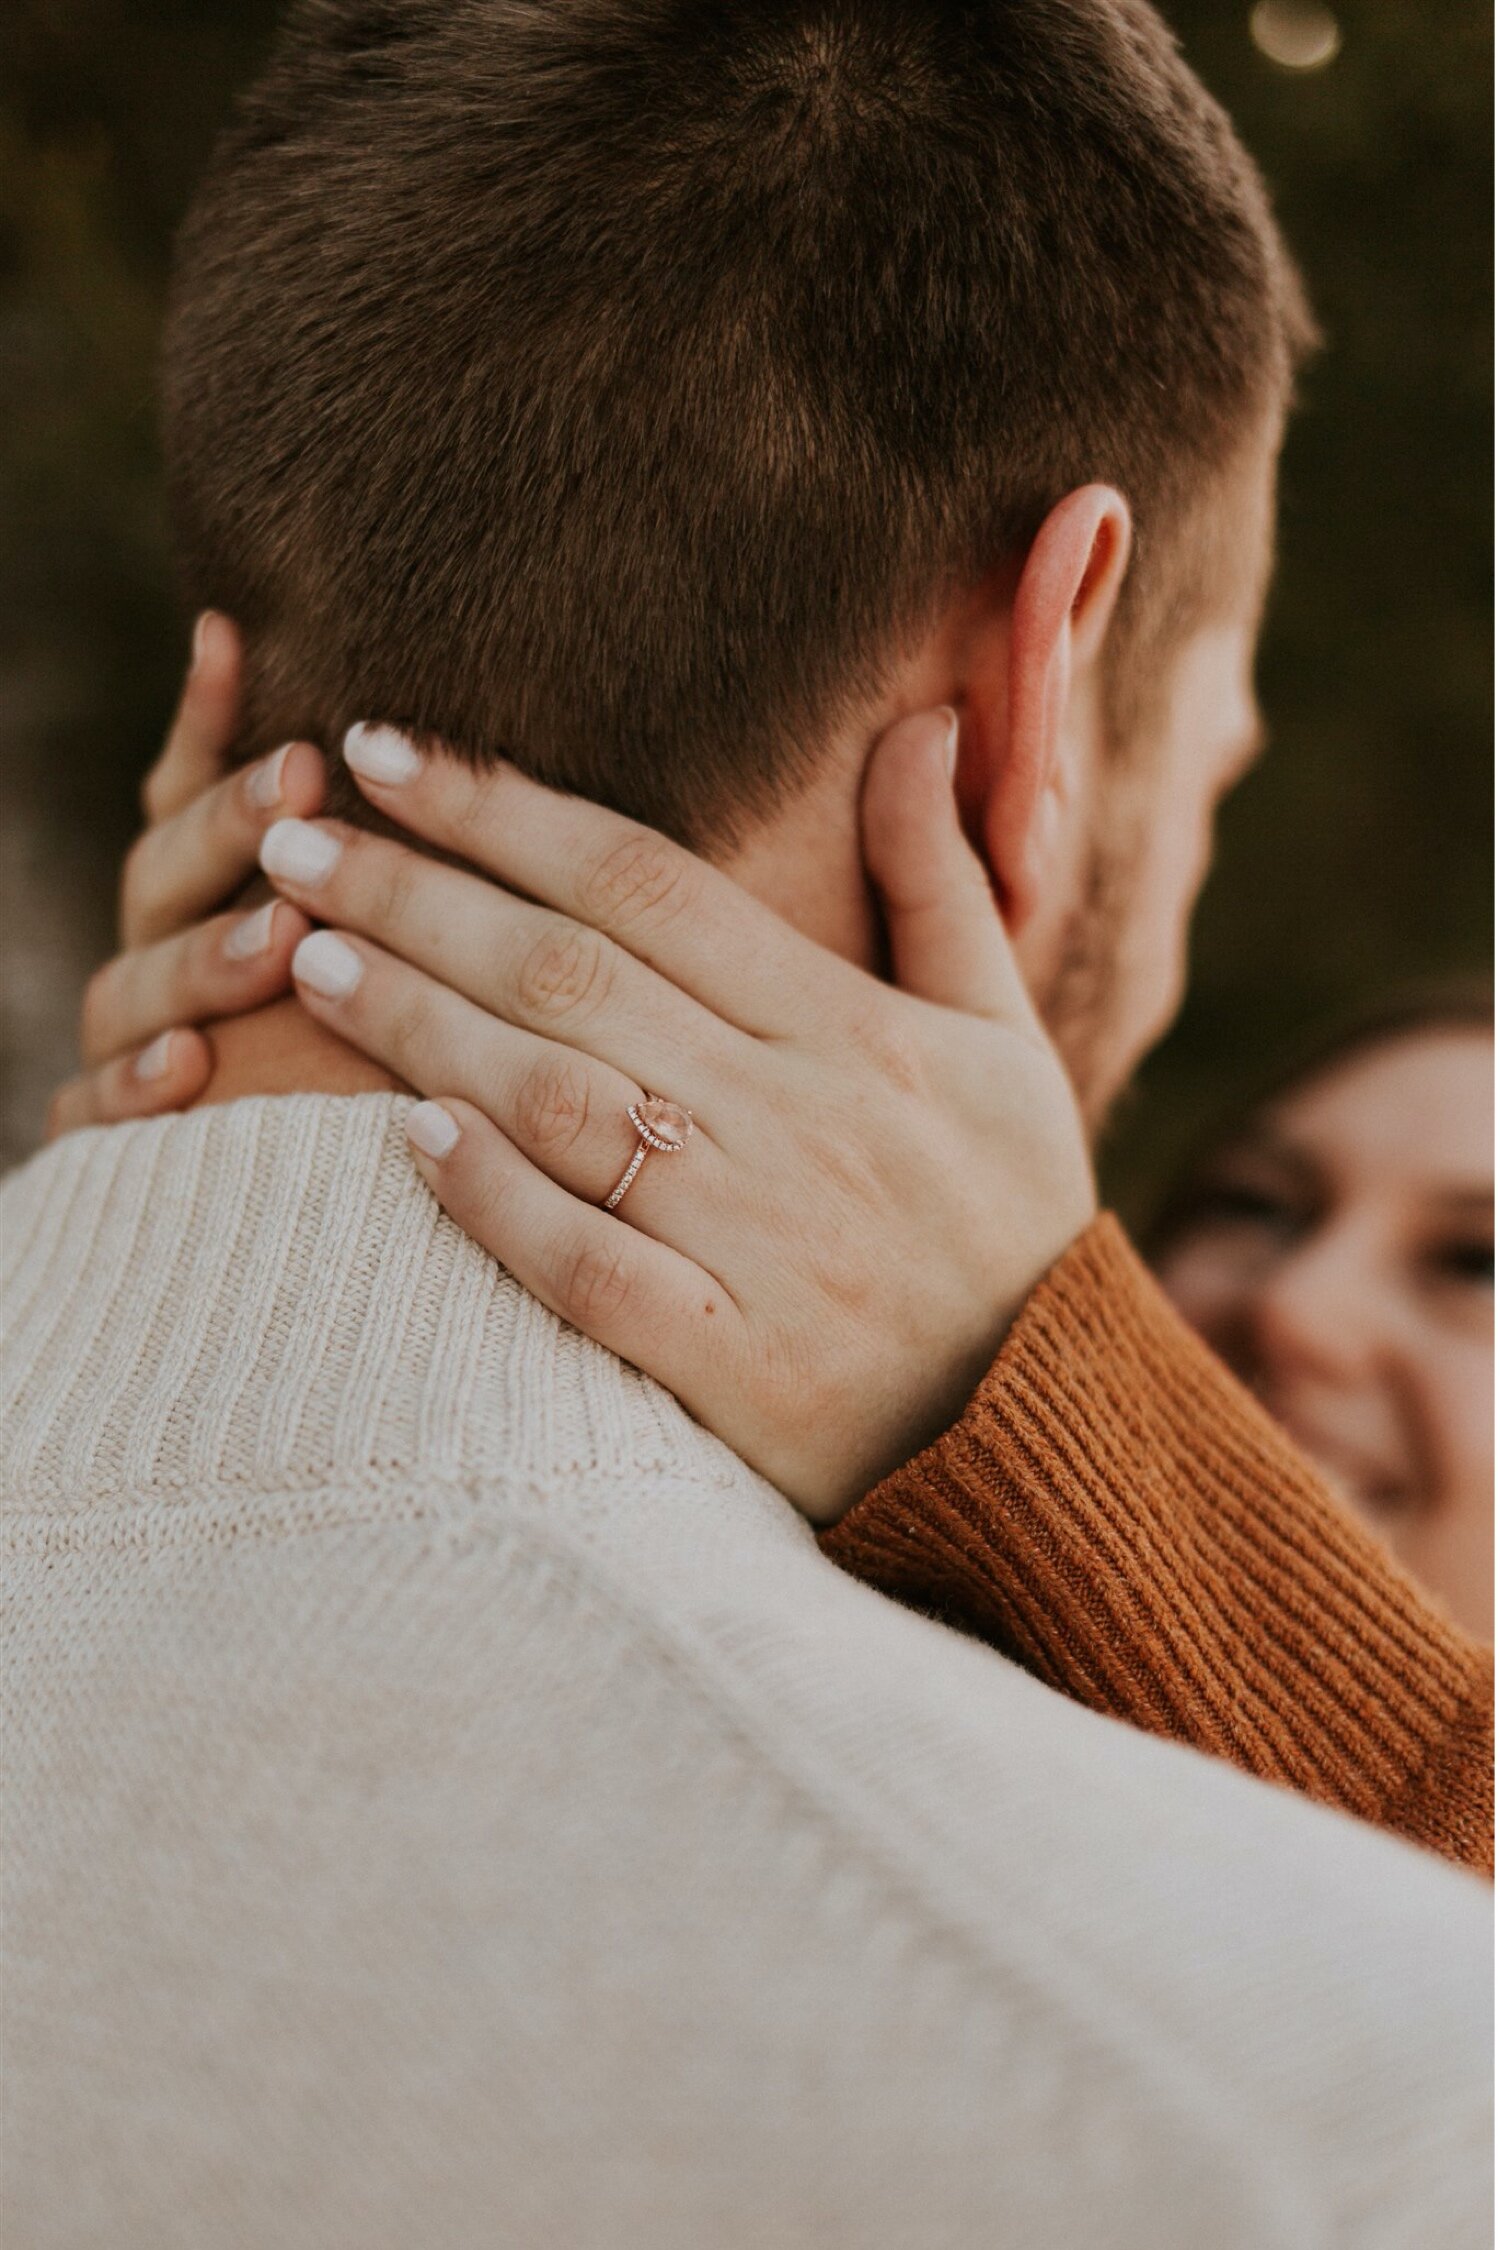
(661, 1125)
(581, 1121)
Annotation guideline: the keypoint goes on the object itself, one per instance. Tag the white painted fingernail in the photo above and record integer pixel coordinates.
(152, 1061)
(299, 853)
(327, 965)
(381, 754)
(263, 781)
(431, 1129)
(252, 934)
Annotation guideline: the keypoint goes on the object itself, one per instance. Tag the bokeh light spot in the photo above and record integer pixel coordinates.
(1297, 34)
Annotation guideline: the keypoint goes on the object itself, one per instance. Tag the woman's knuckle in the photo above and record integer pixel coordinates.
(642, 877)
(596, 1283)
(888, 1046)
(552, 1105)
(564, 973)
(407, 1028)
(845, 1279)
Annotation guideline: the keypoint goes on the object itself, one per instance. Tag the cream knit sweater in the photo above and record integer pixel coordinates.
(449, 1801)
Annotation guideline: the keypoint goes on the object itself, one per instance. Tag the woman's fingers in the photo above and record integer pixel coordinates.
(168, 1074)
(534, 968)
(668, 908)
(202, 732)
(195, 859)
(565, 1111)
(632, 1294)
(218, 968)
(948, 942)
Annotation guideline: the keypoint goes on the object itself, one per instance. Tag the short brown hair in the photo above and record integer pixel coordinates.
(617, 384)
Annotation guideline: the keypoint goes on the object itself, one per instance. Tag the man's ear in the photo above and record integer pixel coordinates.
(1022, 756)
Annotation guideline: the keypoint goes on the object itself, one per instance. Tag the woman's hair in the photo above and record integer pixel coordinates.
(1457, 1003)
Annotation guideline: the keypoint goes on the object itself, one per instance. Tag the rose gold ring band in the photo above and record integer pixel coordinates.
(663, 1126)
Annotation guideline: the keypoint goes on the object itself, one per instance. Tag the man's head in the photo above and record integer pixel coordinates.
(646, 389)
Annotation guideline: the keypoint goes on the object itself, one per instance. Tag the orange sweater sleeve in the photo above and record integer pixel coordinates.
(1114, 1511)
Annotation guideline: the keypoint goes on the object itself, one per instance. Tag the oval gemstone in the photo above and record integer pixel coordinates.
(666, 1118)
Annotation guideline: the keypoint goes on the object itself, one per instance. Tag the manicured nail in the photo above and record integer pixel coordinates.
(381, 754)
(263, 781)
(431, 1129)
(252, 934)
(153, 1061)
(299, 853)
(327, 965)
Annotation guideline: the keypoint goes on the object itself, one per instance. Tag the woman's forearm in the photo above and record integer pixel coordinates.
(1117, 1513)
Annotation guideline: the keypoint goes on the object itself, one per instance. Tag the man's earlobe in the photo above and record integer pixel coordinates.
(1040, 854)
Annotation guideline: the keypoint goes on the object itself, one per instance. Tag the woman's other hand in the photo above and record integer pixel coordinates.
(877, 1174)
(142, 1051)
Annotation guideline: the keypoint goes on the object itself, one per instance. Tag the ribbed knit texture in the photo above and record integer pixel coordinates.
(1116, 1512)
(448, 1799)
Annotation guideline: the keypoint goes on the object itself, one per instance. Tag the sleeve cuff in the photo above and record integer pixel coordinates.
(1116, 1512)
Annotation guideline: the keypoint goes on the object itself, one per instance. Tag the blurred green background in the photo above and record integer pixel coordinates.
(1357, 856)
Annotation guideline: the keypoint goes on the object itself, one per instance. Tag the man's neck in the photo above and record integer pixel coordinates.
(805, 864)
(279, 1049)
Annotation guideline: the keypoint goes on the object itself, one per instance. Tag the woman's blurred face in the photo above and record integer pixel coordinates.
(1341, 1259)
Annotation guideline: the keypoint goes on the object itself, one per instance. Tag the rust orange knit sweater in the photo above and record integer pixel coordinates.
(1116, 1512)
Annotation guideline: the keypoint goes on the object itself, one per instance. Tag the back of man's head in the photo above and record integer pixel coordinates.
(619, 385)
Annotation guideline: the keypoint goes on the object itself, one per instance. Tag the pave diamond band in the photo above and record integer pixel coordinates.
(662, 1125)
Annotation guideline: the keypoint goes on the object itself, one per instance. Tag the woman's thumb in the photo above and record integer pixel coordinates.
(948, 942)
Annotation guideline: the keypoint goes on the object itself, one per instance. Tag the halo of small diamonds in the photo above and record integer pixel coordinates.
(661, 1125)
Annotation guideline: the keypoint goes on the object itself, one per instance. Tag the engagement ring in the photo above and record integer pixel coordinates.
(661, 1125)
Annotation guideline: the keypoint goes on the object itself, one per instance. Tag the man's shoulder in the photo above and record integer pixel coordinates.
(416, 1664)
(265, 1296)
(538, 1787)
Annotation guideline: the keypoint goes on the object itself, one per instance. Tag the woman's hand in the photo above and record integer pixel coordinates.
(876, 1177)
(196, 853)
